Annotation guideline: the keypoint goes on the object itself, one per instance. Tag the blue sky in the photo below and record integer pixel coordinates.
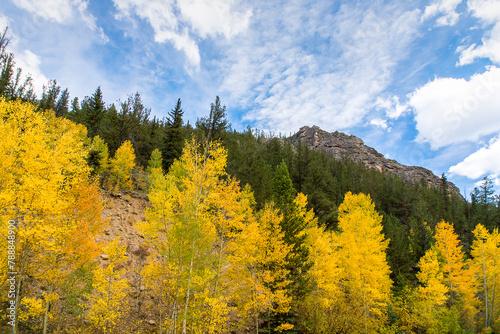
(417, 80)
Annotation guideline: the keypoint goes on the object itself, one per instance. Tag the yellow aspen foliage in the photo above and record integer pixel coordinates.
(101, 150)
(195, 207)
(155, 161)
(257, 269)
(318, 308)
(365, 283)
(458, 276)
(108, 301)
(121, 166)
(42, 166)
(430, 297)
(486, 260)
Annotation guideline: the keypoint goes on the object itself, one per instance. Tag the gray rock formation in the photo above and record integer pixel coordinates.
(342, 146)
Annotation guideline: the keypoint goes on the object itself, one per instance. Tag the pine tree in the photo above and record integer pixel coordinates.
(216, 124)
(93, 110)
(174, 139)
(11, 86)
(483, 200)
(52, 98)
(294, 226)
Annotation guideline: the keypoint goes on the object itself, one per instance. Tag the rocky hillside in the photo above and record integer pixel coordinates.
(341, 146)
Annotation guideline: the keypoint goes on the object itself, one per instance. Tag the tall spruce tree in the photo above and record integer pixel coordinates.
(216, 124)
(53, 98)
(293, 226)
(484, 206)
(11, 85)
(93, 110)
(174, 138)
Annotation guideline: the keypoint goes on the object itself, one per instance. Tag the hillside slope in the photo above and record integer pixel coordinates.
(341, 146)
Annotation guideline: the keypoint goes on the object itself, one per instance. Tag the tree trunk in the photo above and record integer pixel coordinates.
(47, 309)
(18, 290)
(188, 291)
(485, 284)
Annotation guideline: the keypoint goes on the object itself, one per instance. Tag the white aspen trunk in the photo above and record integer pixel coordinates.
(188, 292)
(485, 284)
(18, 290)
(47, 308)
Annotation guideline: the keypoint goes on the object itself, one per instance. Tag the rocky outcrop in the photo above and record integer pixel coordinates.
(342, 146)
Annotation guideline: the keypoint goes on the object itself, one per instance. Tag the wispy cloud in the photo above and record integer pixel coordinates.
(310, 63)
(445, 10)
(488, 12)
(182, 22)
(62, 11)
(392, 107)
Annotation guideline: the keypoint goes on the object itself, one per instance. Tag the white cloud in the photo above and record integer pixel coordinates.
(273, 69)
(449, 111)
(446, 9)
(488, 11)
(393, 108)
(210, 18)
(381, 123)
(179, 22)
(485, 161)
(62, 11)
(4, 22)
(30, 64)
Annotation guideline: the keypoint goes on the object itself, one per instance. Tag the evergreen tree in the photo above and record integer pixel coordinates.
(294, 227)
(174, 139)
(11, 86)
(216, 124)
(93, 110)
(6, 65)
(283, 190)
(484, 206)
(52, 98)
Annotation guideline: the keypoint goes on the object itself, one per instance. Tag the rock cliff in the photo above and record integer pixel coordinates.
(342, 146)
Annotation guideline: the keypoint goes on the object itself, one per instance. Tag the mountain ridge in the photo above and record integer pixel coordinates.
(340, 146)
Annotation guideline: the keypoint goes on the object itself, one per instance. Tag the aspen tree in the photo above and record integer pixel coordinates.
(486, 259)
(318, 310)
(365, 283)
(121, 166)
(195, 207)
(257, 270)
(100, 150)
(430, 297)
(43, 188)
(108, 302)
(457, 274)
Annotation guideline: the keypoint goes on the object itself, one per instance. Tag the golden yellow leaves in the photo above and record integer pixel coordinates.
(108, 302)
(45, 188)
(121, 166)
